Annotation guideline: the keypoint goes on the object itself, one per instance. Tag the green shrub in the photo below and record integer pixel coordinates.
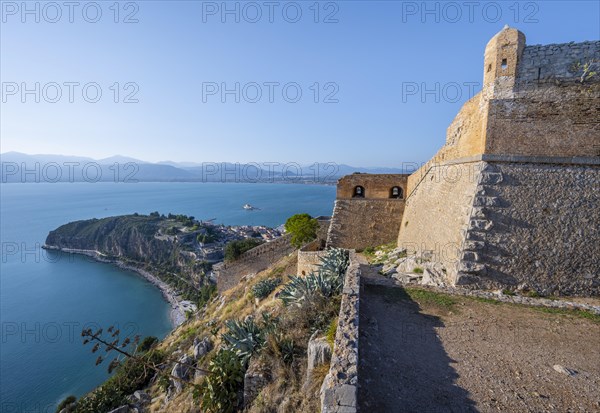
(221, 387)
(66, 403)
(146, 344)
(299, 290)
(206, 293)
(206, 238)
(302, 228)
(132, 375)
(234, 249)
(263, 288)
(418, 270)
(304, 289)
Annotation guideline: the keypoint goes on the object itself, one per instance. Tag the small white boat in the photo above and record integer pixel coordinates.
(248, 207)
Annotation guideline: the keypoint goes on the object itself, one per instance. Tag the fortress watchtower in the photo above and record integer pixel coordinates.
(502, 55)
(367, 211)
(530, 136)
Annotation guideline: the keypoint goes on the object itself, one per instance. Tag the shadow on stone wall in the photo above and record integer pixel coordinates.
(403, 366)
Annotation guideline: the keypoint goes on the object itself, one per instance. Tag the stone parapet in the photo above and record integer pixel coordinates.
(339, 389)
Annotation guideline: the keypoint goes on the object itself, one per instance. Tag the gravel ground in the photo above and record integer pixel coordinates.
(417, 355)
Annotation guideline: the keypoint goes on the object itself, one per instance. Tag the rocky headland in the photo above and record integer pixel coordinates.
(173, 252)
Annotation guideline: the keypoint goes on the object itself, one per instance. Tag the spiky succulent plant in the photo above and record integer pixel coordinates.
(244, 338)
(328, 281)
(334, 263)
(263, 288)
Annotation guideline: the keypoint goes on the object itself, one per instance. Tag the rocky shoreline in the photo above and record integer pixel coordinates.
(177, 313)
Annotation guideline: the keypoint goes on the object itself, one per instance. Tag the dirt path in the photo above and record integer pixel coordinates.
(435, 353)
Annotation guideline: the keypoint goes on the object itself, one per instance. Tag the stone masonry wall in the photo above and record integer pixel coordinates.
(525, 210)
(359, 223)
(309, 261)
(339, 389)
(534, 225)
(259, 258)
(253, 261)
(437, 214)
(551, 120)
(375, 185)
(552, 107)
(554, 62)
(539, 105)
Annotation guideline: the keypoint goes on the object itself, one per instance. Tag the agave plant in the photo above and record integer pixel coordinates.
(269, 323)
(334, 263)
(263, 288)
(287, 348)
(297, 290)
(244, 338)
(302, 289)
(327, 285)
(328, 281)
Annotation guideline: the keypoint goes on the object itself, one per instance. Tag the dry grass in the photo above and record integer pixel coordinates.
(289, 390)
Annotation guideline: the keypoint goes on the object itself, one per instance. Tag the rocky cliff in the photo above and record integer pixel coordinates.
(130, 237)
(165, 246)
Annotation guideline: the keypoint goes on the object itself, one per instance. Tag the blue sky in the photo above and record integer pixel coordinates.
(362, 59)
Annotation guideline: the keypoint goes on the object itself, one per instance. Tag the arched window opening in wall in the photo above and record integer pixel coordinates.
(396, 192)
(359, 192)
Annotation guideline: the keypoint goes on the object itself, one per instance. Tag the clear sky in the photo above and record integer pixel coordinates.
(364, 56)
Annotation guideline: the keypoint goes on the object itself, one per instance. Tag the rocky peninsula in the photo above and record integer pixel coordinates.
(173, 252)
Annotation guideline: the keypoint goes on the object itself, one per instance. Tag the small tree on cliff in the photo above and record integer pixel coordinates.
(303, 229)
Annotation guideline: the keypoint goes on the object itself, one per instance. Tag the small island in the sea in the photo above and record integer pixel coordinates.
(174, 252)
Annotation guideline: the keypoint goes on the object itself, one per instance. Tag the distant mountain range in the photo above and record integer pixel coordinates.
(21, 167)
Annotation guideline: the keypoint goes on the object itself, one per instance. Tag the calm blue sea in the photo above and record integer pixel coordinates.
(46, 298)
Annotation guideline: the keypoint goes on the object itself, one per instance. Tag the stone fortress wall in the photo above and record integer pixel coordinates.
(437, 214)
(309, 258)
(339, 391)
(511, 200)
(534, 225)
(370, 218)
(550, 111)
(229, 274)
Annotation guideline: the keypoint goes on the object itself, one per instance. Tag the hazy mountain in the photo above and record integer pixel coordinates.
(119, 159)
(180, 164)
(21, 167)
(19, 157)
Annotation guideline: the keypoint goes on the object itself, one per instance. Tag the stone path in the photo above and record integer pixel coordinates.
(402, 364)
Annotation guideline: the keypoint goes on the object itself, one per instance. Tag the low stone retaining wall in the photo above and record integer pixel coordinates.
(309, 258)
(339, 389)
